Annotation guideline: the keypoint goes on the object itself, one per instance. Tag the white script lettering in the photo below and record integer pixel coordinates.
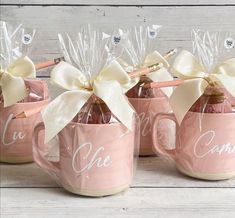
(95, 160)
(226, 148)
(144, 123)
(15, 136)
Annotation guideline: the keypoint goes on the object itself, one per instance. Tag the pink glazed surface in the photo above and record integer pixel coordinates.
(230, 98)
(205, 144)
(147, 108)
(16, 134)
(94, 160)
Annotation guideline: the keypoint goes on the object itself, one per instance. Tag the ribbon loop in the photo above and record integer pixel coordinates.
(186, 66)
(153, 58)
(114, 71)
(12, 80)
(68, 77)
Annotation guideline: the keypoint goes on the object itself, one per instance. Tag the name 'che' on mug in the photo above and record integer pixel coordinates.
(205, 145)
(94, 159)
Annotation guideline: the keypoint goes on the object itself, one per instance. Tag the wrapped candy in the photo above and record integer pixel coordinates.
(213, 100)
(19, 91)
(203, 110)
(95, 111)
(142, 60)
(92, 124)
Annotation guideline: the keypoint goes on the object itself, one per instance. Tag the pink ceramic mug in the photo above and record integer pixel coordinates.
(94, 159)
(230, 98)
(147, 108)
(16, 134)
(205, 144)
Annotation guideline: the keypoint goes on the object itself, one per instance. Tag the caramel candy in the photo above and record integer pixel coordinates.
(213, 100)
(95, 111)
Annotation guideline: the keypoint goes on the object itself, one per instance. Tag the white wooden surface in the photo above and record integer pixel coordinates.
(120, 2)
(137, 203)
(177, 22)
(158, 189)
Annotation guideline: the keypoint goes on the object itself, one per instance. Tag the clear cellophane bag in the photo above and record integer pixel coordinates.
(96, 153)
(211, 49)
(16, 42)
(137, 43)
(205, 137)
(203, 108)
(89, 51)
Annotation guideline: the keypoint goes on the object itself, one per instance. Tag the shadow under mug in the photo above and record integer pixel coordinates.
(146, 109)
(205, 145)
(94, 159)
(16, 134)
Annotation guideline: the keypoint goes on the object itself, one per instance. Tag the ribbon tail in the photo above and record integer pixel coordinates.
(111, 93)
(185, 95)
(62, 110)
(162, 75)
(13, 89)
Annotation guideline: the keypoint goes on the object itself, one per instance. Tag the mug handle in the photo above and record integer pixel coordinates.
(160, 148)
(51, 167)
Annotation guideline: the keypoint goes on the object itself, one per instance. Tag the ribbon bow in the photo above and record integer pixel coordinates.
(186, 66)
(12, 80)
(159, 75)
(108, 85)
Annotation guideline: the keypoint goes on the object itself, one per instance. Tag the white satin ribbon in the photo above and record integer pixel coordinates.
(12, 80)
(186, 66)
(159, 75)
(109, 85)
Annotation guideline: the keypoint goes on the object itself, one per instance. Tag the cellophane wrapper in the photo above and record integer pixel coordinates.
(95, 154)
(211, 49)
(16, 134)
(16, 42)
(138, 42)
(205, 141)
